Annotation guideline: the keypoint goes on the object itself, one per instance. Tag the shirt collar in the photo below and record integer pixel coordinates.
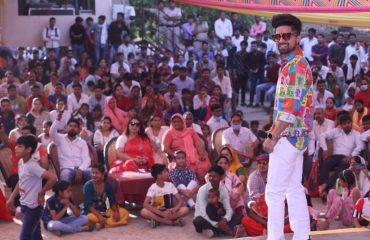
(293, 54)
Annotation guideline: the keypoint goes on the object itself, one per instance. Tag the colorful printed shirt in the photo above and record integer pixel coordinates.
(293, 101)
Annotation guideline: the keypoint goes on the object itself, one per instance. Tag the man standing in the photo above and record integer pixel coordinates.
(308, 42)
(354, 48)
(241, 69)
(223, 27)
(320, 50)
(258, 26)
(337, 50)
(51, 36)
(77, 34)
(173, 17)
(116, 30)
(288, 136)
(256, 70)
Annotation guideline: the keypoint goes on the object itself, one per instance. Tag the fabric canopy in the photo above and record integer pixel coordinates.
(351, 13)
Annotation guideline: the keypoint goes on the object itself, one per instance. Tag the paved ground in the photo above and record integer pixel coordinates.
(139, 229)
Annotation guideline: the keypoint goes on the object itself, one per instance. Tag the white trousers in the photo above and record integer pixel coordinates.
(190, 186)
(284, 180)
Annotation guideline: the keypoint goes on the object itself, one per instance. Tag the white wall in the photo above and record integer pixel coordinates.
(27, 30)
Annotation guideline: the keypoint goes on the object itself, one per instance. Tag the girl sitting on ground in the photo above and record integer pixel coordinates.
(56, 217)
(342, 206)
(96, 191)
(184, 179)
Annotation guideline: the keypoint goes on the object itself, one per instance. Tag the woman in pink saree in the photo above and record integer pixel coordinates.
(178, 137)
(134, 149)
(119, 117)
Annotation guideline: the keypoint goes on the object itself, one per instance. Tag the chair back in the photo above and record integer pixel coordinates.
(110, 153)
(6, 163)
(205, 142)
(217, 140)
(53, 158)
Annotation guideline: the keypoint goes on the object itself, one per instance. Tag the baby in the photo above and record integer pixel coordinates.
(215, 209)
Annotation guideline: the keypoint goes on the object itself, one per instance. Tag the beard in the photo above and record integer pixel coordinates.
(72, 134)
(285, 48)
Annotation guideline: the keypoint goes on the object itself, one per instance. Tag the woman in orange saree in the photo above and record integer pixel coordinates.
(178, 137)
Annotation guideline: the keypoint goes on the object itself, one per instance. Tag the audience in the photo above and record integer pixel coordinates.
(172, 104)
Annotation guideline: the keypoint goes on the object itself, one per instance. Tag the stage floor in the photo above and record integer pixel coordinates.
(337, 234)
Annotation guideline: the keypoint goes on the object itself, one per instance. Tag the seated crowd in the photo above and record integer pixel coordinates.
(167, 112)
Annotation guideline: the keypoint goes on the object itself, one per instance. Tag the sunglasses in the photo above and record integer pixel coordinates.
(135, 124)
(285, 36)
(262, 163)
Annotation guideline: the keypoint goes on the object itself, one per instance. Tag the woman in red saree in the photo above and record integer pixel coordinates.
(119, 117)
(134, 149)
(178, 137)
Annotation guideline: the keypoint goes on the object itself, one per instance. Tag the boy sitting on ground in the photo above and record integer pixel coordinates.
(159, 205)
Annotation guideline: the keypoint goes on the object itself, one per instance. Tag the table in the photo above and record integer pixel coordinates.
(130, 184)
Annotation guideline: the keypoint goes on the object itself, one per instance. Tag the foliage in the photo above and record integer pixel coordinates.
(145, 23)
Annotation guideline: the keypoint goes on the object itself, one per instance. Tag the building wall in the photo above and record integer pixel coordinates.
(27, 30)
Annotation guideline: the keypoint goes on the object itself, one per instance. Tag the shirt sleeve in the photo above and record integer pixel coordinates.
(293, 91)
(359, 144)
(151, 192)
(121, 141)
(327, 135)
(54, 132)
(36, 170)
(226, 202)
(98, 138)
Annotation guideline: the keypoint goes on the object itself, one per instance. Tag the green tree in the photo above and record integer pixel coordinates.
(145, 24)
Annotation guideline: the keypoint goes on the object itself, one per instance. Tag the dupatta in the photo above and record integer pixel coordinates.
(119, 122)
(186, 135)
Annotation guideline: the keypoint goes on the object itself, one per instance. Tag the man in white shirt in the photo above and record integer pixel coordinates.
(249, 39)
(127, 85)
(51, 36)
(346, 144)
(216, 121)
(271, 45)
(173, 17)
(320, 95)
(126, 47)
(237, 39)
(240, 139)
(321, 69)
(73, 153)
(77, 98)
(354, 48)
(224, 82)
(183, 81)
(189, 120)
(223, 27)
(337, 71)
(320, 126)
(334, 35)
(114, 68)
(308, 42)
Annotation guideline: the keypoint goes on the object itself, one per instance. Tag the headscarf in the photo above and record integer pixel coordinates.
(234, 161)
(186, 135)
(119, 121)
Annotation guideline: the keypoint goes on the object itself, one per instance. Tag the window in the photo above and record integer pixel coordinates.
(55, 7)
